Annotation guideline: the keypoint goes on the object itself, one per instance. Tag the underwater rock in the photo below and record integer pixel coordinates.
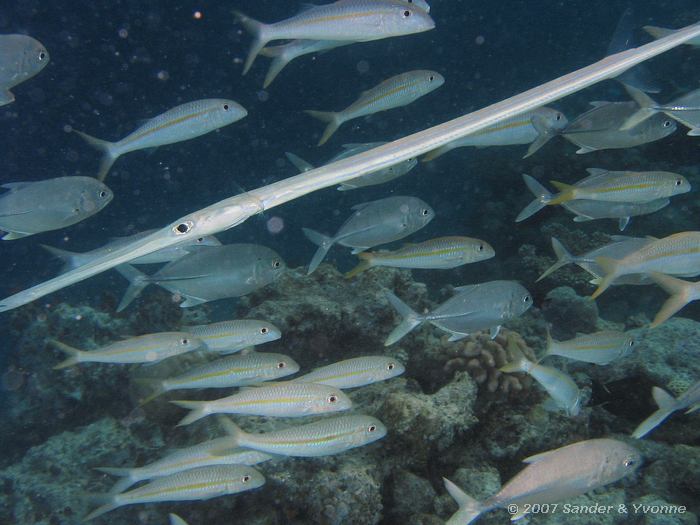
(411, 495)
(569, 313)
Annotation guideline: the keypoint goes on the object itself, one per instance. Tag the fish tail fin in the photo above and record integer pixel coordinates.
(469, 508)
(153, 387)
(434, 154)
(324, 244)
(234, 431)
(108, 149)
(107, 502)
(332, 118)
(410, 319)
(542, 198)
(70, 259)
(610, 269)
(681, 294)
(566, 193)
(365, 264)
(544, 135)
(519, 364)
(137, 282)
(276, 66)
(548, 346)
(666, 404)
(257, 31)
(72, 353)
(199, 409)
(647, 108)
(298, 162)
(122, 484)
(563, 258)
(693, 408)
(658, 32)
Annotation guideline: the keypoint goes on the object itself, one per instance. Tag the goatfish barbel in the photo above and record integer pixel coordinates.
(233, 211)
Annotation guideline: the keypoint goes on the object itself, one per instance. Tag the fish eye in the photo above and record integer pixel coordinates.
(424, 212)
(481, 248)
(103, 194)
(631, 343)
(558, 117)
(281, 364)
(264, 330)
(679, 182)
(431, 78)
(667, 123)
(42, 55)
(183, 228)
(371, 428)
(629, 462)
(245, 479)
(527, 299)
(390, 366)
(406, 13)
(333, 399)
(184, 341)
(276, 263)
(226, 107)
(201, 239)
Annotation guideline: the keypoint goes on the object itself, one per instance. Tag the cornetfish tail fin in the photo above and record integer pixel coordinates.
(108, 149)
(647, 108)
(410, 319)
(667, 405)
(258, 31)
(544, 134)
(298, 162)
(333, 119)
(563, 258)
(324, 244)
(72, 353)
(137, 282)
(610, 268)
(682, 292)
(542, 197)
(469, 508)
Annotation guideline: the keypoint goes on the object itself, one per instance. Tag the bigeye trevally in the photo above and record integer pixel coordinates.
(552, 476)
(183, 122)
(373, 223)
(349, 20)
(599, 128)
(395, 92)
(209, 273)
(35, 207)
(534, 127)
(370, 179)
(21, 57)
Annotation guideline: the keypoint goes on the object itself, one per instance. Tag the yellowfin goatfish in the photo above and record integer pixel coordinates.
(682, 293)
(599, 128)
(371, 179)
(660, 32)
(284, 54)
(149, 348)
(209, 273)
(618, 248)
(278, 400)
(685, 109)
(36, 207)
(600, 348)
(72, 260)
(440, 253)
(667, 404)
(352, 373)
(21, 57)
(394, 92)
(677, 254)
(484, 306)
(326, 437)
(534, 128)
(373, 223)
(183, 122)
(214, 452)
(198, 484)
(587, 209)
(228, 372)
(350, 20)
(558, 385)
(552, 476)
(228, 337)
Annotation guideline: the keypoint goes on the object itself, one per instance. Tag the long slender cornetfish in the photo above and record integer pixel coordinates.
(233, 211)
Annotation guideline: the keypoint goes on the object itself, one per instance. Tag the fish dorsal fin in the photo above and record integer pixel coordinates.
(457, 336)
(192, 301)
(595, 172)
(599, 103)
(305, 6)
(465, 288)
(13, 186)
(582, 218)
(663, 399)
(539, 457)
(362, 205)
(584, 149)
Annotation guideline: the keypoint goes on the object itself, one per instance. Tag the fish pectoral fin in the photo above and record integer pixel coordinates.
(493, 331)
(538, 457)
(16, 185)
(192, 301)
(6, 97)
(584, 149)
(11, 236)
(622, 223)
(456, 336)
(694, 132)
(582, 218)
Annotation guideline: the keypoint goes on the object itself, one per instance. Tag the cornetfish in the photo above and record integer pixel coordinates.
(233, 211)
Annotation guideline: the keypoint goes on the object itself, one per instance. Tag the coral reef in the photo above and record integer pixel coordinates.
(568, 313)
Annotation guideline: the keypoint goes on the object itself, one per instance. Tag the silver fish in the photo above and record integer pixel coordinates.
(183, 122)
(21, 57)
(589, 210)
(684, 109)
(420, 3)
(228, 372)
(599, 128)
(197, 484)
(373, 223)
(395, 92)
(35, 207)
(534, 127)
(690, 399)
(484, 306)
(209, 273)
(682, 292)
(600, 348)
(73, 260)
(327, 437)
(284, 54)
(553, 476)
(355, 372)
(371, 179)
(228, 337)
(349, 20)
(288, 399)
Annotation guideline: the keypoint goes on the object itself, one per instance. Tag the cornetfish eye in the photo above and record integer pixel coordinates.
(183, 228)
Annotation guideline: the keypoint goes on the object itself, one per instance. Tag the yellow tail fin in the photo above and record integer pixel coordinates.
(680, 296)
(365, 264)
(566, 193)
(610, 269)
